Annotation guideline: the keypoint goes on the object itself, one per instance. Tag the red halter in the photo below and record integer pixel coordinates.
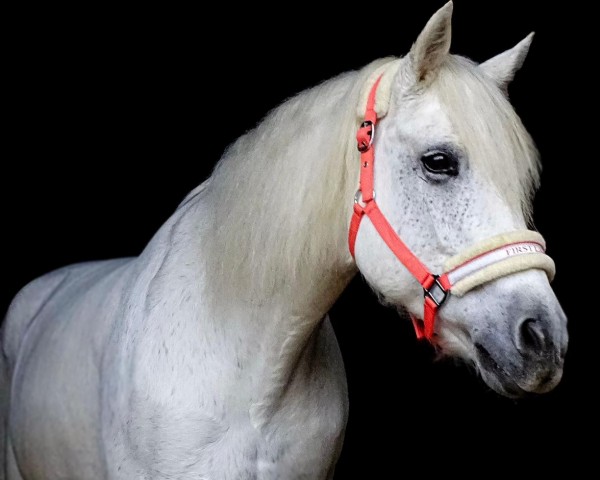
(465, 271)
(369, 207)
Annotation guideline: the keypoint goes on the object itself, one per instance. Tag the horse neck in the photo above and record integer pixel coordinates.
(280, 201)
(275, 217)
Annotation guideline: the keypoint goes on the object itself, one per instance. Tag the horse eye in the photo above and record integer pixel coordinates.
(440, 162)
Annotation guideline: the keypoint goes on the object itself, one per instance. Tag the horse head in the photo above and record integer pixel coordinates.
(454, 167)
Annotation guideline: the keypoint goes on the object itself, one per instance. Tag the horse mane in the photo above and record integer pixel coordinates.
(281, 195)
(495, 139)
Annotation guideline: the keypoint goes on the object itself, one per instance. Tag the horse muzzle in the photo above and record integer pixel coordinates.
(522, 350)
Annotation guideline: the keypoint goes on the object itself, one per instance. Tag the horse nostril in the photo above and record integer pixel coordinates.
(530, 336)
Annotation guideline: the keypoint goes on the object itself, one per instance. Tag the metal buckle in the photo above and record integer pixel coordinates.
(358, 198)
(428, 293)
(363, 147)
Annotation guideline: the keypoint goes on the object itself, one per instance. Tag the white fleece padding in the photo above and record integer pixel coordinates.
(506, 267)
(493, 243)
(497, 257)
(384, 90)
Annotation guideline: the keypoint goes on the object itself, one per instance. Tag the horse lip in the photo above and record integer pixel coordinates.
(513, 391)
(502, 384)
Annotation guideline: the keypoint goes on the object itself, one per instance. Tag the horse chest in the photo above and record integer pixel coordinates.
(303, 442)
(211, 433)
(191, 444)
(303, 437)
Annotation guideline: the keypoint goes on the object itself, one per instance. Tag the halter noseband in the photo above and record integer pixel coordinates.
(487, 260)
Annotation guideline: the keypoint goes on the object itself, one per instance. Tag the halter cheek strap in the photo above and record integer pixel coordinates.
(488, 260)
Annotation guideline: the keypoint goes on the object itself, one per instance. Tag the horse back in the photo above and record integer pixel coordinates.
(30, 301)
(52, 339)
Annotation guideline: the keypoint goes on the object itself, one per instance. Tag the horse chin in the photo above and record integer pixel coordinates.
(510, 385)
(501, 384)
(499, 381)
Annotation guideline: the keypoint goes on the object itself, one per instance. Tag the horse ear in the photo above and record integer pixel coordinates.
(502, 68)
(433, 43)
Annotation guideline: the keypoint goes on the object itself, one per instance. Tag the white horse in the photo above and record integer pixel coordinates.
(210, 356)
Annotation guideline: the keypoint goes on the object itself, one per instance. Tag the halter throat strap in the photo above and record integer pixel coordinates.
(487, 260)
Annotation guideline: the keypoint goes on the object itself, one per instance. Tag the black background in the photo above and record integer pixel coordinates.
(114, 115)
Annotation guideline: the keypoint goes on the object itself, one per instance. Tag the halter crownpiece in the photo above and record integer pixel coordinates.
(485, 261)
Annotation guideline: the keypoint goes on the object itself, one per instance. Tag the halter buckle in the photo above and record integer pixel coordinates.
(365, 135)
(428, 292)
(358, 200)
